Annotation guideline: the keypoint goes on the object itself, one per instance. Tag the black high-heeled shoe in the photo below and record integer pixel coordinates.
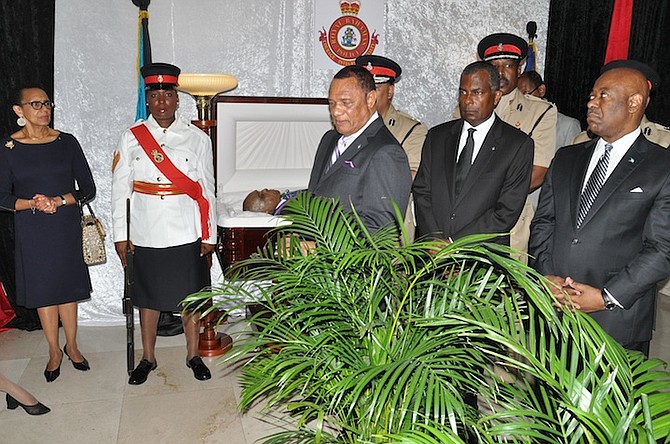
(82, 366)
(36, 409)
(52, 375)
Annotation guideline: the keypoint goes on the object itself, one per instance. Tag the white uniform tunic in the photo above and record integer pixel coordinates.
(160, 222)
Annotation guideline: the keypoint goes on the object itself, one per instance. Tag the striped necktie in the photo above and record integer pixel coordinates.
(594, 185)
(337, 151)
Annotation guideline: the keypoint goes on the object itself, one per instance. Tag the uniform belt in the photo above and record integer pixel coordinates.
(156, 189)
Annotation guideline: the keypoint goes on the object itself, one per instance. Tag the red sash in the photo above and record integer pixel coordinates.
(174, 175)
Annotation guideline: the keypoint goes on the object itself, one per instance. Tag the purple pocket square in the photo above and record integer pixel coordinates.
(349, 163)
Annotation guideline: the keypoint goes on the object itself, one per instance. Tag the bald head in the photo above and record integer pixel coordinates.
(262, 201)
(617, 103)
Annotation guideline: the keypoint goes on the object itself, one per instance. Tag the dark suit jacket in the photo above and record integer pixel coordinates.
(624, 242)
(493, 194)
(369, 175)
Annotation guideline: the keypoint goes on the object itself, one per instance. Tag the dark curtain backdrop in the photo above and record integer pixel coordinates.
(576, 43)
(26, 58)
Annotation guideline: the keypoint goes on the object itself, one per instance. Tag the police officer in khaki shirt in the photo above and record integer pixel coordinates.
(654, 132)
(531, 115)
(408, 131)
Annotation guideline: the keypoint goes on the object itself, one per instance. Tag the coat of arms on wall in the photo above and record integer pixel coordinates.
(348, 36)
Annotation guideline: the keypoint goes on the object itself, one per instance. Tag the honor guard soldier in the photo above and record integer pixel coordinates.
(654, 132)
(164, 166)
(531, 115)
(408, 131)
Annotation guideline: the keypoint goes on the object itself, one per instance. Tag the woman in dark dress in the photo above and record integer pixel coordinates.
(43, 176)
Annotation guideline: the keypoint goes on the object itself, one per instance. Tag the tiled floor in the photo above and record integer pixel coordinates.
(171, 407)
(100, 407)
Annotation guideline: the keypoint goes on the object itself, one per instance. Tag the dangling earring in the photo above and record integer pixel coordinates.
(21, 121)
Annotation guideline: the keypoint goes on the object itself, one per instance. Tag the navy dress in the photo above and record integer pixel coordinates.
(50, 266)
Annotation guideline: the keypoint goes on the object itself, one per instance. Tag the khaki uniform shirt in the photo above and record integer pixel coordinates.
(523, 112)
(409, 132)
(654, 132)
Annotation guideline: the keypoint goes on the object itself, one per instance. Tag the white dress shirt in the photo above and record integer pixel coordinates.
(347, 140)
(478, 136)
(619, 149)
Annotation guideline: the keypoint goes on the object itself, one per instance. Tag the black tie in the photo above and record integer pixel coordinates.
(593, 186)
(465, 160)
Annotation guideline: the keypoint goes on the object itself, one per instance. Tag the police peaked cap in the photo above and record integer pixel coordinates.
(384, 70)
(160, 75)
(502, 46)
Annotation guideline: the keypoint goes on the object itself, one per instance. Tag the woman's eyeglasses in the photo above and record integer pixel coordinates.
(36, 104)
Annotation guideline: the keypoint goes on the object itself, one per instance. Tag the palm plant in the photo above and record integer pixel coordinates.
(364, 340)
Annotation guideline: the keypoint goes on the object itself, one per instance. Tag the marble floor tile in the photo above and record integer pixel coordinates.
(20, 344)
(74, 422)
(204, 416)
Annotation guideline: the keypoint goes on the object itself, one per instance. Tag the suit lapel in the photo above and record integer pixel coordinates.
(324, 155)
(577, 175)
(633, 158)
(450, 152)
(345, 159)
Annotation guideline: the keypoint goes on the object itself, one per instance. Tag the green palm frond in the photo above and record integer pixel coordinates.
(365, 340)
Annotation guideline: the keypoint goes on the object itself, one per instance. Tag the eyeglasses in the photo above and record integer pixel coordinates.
(36, 104)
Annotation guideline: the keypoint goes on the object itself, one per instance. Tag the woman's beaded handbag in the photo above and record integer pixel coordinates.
(92, 237)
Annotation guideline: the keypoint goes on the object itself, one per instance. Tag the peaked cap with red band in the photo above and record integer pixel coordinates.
(653, 79)
(160, 76)
(502, 46)
(383, 70)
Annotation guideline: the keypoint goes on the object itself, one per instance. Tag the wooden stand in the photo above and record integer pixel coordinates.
(210, 342)
(205, 125)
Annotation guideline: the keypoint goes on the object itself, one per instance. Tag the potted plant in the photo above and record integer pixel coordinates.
(366, 340)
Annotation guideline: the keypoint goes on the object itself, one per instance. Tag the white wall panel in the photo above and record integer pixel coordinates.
(268, 45)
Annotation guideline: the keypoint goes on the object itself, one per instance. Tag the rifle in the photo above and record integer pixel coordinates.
(129, 282)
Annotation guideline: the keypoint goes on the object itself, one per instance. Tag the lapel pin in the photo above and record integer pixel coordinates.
(493, 148)
(9, 144)
(631, 160)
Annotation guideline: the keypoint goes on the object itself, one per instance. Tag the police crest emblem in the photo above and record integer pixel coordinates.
(348, 36)
(158, 157)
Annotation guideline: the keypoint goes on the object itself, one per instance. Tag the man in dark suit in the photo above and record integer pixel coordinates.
(601, 232)
(360, 162)
(475, 171)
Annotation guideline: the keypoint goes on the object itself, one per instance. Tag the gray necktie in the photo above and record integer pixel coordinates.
(594, 185)
(465, 160)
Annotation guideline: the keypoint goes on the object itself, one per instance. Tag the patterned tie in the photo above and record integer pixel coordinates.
(337, 151)
(594, 185)
(465, 160)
